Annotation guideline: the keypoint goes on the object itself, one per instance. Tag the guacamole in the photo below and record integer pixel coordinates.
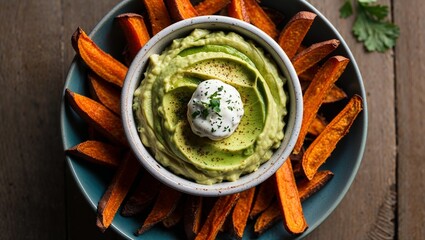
(161, 106)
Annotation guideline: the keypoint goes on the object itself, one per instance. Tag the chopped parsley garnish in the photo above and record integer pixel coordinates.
(213, 105)
(371, 26)
(196, 113)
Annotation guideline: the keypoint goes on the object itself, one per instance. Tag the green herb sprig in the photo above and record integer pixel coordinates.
(213, 104)
(371, 26)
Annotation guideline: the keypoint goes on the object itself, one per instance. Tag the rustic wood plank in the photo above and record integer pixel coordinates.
(32, 166)
(357, 214)
(410, 89)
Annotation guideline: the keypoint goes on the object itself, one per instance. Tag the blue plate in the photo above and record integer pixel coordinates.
(344, 161)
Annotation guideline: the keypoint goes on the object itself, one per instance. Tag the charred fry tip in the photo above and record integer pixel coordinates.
(68, 93)
(74, 39)
(100, 225)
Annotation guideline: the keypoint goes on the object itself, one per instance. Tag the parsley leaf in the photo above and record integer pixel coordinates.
(346, 10)
(370, 26)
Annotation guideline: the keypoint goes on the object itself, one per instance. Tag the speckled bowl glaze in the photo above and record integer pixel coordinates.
(217, 23)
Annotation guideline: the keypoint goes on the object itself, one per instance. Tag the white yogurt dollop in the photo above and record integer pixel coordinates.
(215, 109)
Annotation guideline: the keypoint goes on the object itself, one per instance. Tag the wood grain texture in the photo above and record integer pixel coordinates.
(355, 217)
(410, 68)
(31, 157)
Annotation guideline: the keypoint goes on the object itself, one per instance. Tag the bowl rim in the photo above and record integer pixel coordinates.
(270, 47)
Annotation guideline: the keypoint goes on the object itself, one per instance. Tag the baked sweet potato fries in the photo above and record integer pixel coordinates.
(279, 197)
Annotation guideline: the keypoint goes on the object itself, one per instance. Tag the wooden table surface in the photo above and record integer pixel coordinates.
(40, 200)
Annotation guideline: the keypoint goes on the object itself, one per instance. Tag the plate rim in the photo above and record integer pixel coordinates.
(364, 118)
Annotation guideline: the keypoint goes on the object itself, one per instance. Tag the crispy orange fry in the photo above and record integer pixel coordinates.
(335, 94)
(181, 9)
(116, 192)
(97, 152)
(158, 15)
(209, 7)
(321, 148)
(265, 195)
(241, 211)
(260, 19)
(309, 74)
(313, 54)
(192, 216)
(175, 217)
(317, 91)
(289, 200)
(105, 94)
(135, 32)
(217, 216)
(306, 187)
(267, 218)
(317, 126)
(143, 196)
(97, 60)
(97, 116)
(165, 204)
(293, 33)
(237, 9)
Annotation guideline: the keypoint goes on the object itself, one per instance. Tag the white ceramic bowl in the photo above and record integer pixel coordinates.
(155, 46)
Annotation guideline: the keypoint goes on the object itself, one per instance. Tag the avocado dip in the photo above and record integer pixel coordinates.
(162, 100)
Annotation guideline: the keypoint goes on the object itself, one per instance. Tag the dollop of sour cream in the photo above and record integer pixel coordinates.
(215, 109)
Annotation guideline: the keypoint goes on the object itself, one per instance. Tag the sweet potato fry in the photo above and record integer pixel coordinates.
(313, 54)
(97, 152)
(241, 211)
(237, 9)
(260, 19)
(306, 187)
(104, 93)
(335, 94)
(317, 91)
(265, 196)
(158, 15)
(319, 123)
(267, 218)
(165, 204)
(135, 32)
(321, 148)
(143, 196)
(97, 116)
(293, 33)
(309, 74)
(289, 200)
(192, 216)
(217, 216)
(181, 9)
(209, 7)
(97, 60)
(116, 192)
(175, 217)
